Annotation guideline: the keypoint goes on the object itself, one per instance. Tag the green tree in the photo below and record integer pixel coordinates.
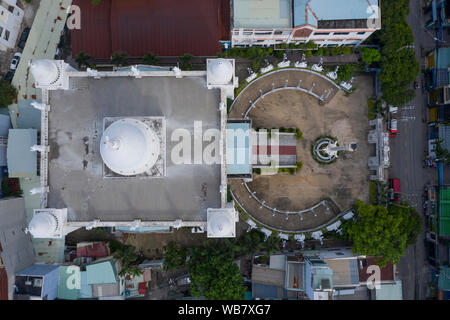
(129, 259)
(151, 59)
(82, 59)
(185, 61)
(383, 232)
(7, 94)
(370, 55)
(345, 72)
(251, 242)
(174, 256)
(119, 59)
(271, 245)
(216, 277)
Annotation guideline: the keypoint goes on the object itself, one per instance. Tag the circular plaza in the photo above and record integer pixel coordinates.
(316, 193)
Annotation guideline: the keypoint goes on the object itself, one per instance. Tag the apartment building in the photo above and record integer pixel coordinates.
(10, 20)
(326, 22)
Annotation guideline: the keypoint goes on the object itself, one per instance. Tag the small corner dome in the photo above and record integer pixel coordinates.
(221, 225)
(220, 71)
(42, 225)
(45, 72)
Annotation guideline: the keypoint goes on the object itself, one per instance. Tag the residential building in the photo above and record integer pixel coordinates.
(444, 283)
(37, 282)
(325, 22)
(437, 15)
(11, 17)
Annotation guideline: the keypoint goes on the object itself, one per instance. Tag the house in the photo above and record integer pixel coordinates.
(325, 22)
(11, 17)
(37, 282)
(96, 249)
(444, 283)
(16, 247)
(102, 275)
(22, 162)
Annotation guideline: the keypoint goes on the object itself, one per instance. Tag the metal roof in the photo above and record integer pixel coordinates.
(238, 148)
(29, 117)
(38, 270)
(390, 291)
(262, 14)
(168, 28)
(102, 272)
(444, 278)
(22, 162)
(49, 250)
(66, 273)
(444, 212)
(312, 11)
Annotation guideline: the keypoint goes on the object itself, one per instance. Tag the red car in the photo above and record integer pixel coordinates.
(394, 189)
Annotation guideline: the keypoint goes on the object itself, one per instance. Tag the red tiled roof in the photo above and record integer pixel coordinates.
(3, 284)
(96, 250)
(167, 28)
(387, 273)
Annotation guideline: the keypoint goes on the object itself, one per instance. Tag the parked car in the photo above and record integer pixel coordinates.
(15, 61)
(394, 189)
(9, 76)
(23, 38)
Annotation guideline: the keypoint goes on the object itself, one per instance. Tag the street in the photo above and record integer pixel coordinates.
(407, 154)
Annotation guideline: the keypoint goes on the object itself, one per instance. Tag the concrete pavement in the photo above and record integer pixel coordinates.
(407, 154)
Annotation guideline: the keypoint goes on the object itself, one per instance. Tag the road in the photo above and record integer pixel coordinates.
(407, 154)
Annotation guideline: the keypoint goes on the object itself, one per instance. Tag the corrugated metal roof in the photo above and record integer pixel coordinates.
(444, 278)
(444, 212)
(269, 276)
(345, 271)
(390, 291)
(37, 270)
(168, 28)
(312, 11)
(86, 289)
(3, 284)
(66, 275)
(92, 249)
(262, 14)
(101, 272)
(21, 161)
(49, 250)
(387, 273)
(29, 117)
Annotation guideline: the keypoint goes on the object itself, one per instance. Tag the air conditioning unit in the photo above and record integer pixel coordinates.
(37, 283)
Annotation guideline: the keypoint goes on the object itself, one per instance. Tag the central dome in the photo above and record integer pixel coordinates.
(129, 147)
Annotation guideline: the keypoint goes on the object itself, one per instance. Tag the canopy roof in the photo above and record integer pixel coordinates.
(22, 162)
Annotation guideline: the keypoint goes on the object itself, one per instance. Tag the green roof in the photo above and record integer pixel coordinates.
(67, 288)
(22, 162)
(444, 278)
(102, 272)
(444, 212)
(390, 291)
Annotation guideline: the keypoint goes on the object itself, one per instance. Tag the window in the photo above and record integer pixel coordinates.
(6, 35)
(340, 33)
(278, 32)
(361, 33)
(321, 33)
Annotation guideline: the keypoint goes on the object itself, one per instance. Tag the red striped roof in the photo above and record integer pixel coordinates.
(167, 28)
(94, 250)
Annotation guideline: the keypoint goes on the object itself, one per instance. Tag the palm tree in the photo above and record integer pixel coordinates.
(271, 245)
(251, 242)
(119, 59)
(151, 59)
(82, 59)
(185, 62)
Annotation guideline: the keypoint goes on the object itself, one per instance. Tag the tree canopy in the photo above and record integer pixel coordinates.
(383, 232)
(7, 93)
(369, 55)
(399, 66)
(216, 277)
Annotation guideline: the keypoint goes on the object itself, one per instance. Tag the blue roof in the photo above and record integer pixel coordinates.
(86, 289)
(22, 162)
(330, 10)
(443, 58)
(101, 272)
(444, 278)
(29, 117)
(238, 148)
(5, 125)
(38, 270)
(264, 291)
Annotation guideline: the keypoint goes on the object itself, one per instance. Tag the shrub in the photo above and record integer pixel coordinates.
(308, 54)
(279, 53)
(7, 93)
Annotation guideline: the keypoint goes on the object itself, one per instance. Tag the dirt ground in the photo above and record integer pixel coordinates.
(344, 117)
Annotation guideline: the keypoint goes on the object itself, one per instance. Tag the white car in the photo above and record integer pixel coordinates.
(15, 61)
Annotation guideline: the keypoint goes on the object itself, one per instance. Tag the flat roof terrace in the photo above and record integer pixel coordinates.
(75, 164)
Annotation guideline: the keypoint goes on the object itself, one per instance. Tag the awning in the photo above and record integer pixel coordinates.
(22, 162)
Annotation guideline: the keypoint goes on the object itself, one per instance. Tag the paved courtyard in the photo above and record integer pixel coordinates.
(340, 183)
